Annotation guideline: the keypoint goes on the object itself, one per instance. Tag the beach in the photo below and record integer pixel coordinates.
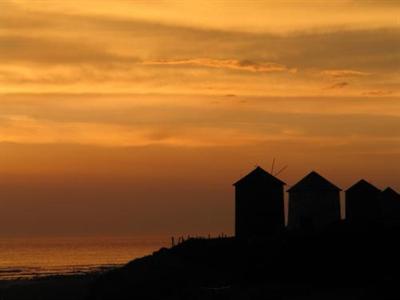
(64, 267)
(28, 258)
(53, 287)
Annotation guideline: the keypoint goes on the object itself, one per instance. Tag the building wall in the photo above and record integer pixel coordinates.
(363, 206)
(390, 210)
(259, 210)
(313, 210)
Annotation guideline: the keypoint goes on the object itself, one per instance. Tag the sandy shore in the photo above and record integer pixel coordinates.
(48, 288)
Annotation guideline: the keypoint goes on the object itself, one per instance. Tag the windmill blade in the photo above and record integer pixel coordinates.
(273, 165)
(281, 170)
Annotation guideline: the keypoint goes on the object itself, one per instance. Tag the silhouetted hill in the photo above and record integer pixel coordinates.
(341, 263)
(63, 287)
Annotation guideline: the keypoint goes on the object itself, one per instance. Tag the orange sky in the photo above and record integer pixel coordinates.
(135, 117)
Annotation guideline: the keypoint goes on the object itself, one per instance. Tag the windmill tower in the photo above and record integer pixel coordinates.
(259, 204)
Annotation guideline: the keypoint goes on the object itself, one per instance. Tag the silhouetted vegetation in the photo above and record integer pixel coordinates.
(343, 262)
(321, 257)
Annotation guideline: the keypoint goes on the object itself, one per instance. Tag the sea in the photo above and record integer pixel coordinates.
(26, 258)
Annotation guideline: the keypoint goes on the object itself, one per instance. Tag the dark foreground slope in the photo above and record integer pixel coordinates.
(68, 287)
(341, 263)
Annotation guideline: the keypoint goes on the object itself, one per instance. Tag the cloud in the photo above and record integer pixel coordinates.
(338, 85)
(22, 129)
(344, 73)
(56, 51)
(254, 16)
(136, 120)
(233, 64)
(42, 51)
(378, 93)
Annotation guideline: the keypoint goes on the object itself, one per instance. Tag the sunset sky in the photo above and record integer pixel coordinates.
(135, 117)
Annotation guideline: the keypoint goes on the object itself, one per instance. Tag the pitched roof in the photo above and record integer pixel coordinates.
(363, 185)
(313, 181)
(390, 193)
(259, 173)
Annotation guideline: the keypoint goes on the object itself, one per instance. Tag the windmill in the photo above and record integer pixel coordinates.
(279, 171)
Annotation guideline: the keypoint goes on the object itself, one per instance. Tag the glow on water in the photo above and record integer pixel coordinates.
(32, 257)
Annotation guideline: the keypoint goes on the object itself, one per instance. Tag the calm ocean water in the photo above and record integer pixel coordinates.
(37, 257)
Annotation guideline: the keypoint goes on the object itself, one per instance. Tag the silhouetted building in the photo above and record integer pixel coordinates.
(314, 203)
(258, 204)
(363, 203)
(390, 203)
